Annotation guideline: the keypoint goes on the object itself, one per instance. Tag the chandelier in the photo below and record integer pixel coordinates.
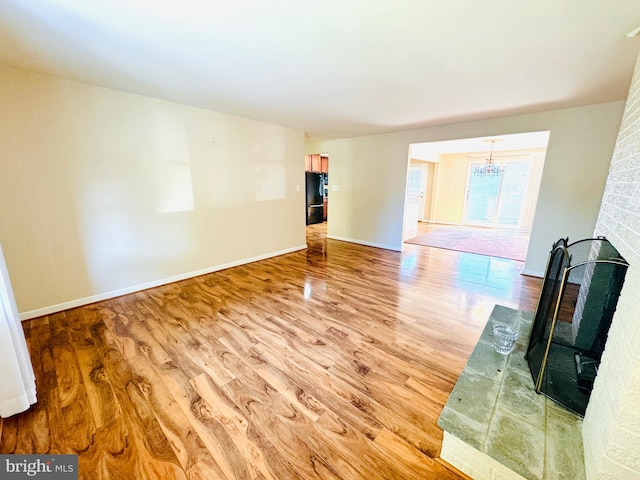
(489, 169)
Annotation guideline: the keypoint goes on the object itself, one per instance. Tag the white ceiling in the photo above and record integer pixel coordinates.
(431, 151)
(336, 68)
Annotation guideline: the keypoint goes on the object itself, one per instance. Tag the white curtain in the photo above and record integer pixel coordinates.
(17, 382)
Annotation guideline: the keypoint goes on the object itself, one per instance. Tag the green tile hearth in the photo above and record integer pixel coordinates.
(495, 409)
(516, 444)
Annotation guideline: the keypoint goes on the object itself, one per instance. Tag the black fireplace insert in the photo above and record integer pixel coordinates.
(579, 294)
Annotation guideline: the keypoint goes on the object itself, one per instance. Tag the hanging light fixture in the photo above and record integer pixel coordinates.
(489, 169)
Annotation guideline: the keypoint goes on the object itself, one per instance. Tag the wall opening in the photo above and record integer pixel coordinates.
(459, 193)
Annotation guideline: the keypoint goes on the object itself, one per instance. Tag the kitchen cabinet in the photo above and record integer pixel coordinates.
(316, 163)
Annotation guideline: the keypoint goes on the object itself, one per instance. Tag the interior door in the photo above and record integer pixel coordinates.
(416, 184)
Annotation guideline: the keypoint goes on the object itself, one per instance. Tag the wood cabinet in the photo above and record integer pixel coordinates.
(316, 163)
(324, 164)
(312, 163)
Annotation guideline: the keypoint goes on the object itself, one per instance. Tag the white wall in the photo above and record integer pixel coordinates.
(371, 175)
(611, 427)
(103, 192)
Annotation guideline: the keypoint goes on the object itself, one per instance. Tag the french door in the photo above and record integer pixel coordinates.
(496, 200)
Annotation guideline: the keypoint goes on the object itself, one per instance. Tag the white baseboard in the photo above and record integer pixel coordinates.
(453, 224)
(368, 244)
(531, 273)
(144, 286)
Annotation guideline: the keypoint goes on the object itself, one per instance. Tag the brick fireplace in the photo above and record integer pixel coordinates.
(611, 428)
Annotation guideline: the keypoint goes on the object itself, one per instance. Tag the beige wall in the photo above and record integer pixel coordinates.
(371, 175)
(102, 192)
(451, 188)
(611, 428)
(431, 192)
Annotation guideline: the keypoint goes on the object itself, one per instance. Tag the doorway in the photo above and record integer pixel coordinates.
(460, 198)
(316, 168)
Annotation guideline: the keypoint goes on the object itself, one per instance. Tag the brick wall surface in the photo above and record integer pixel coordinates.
(611, 428)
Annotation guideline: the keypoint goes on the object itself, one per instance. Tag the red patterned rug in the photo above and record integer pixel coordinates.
(482, 242)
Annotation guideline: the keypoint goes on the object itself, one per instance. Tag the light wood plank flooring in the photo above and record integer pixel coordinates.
(332, 362)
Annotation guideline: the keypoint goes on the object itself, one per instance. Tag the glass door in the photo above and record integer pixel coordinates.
(496, 200)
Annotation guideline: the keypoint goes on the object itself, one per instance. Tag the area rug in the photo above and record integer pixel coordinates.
(482, 242)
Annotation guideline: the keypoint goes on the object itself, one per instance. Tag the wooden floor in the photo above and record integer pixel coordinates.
(331, 362)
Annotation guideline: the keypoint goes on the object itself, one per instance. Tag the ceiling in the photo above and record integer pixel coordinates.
(431, 151)
(336, 68)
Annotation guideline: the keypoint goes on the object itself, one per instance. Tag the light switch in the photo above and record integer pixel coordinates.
(335, 188)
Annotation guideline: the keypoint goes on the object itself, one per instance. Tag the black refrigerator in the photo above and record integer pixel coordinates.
(315, 197)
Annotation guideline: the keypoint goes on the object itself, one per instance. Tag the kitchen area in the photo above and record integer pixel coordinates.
(316, 187)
